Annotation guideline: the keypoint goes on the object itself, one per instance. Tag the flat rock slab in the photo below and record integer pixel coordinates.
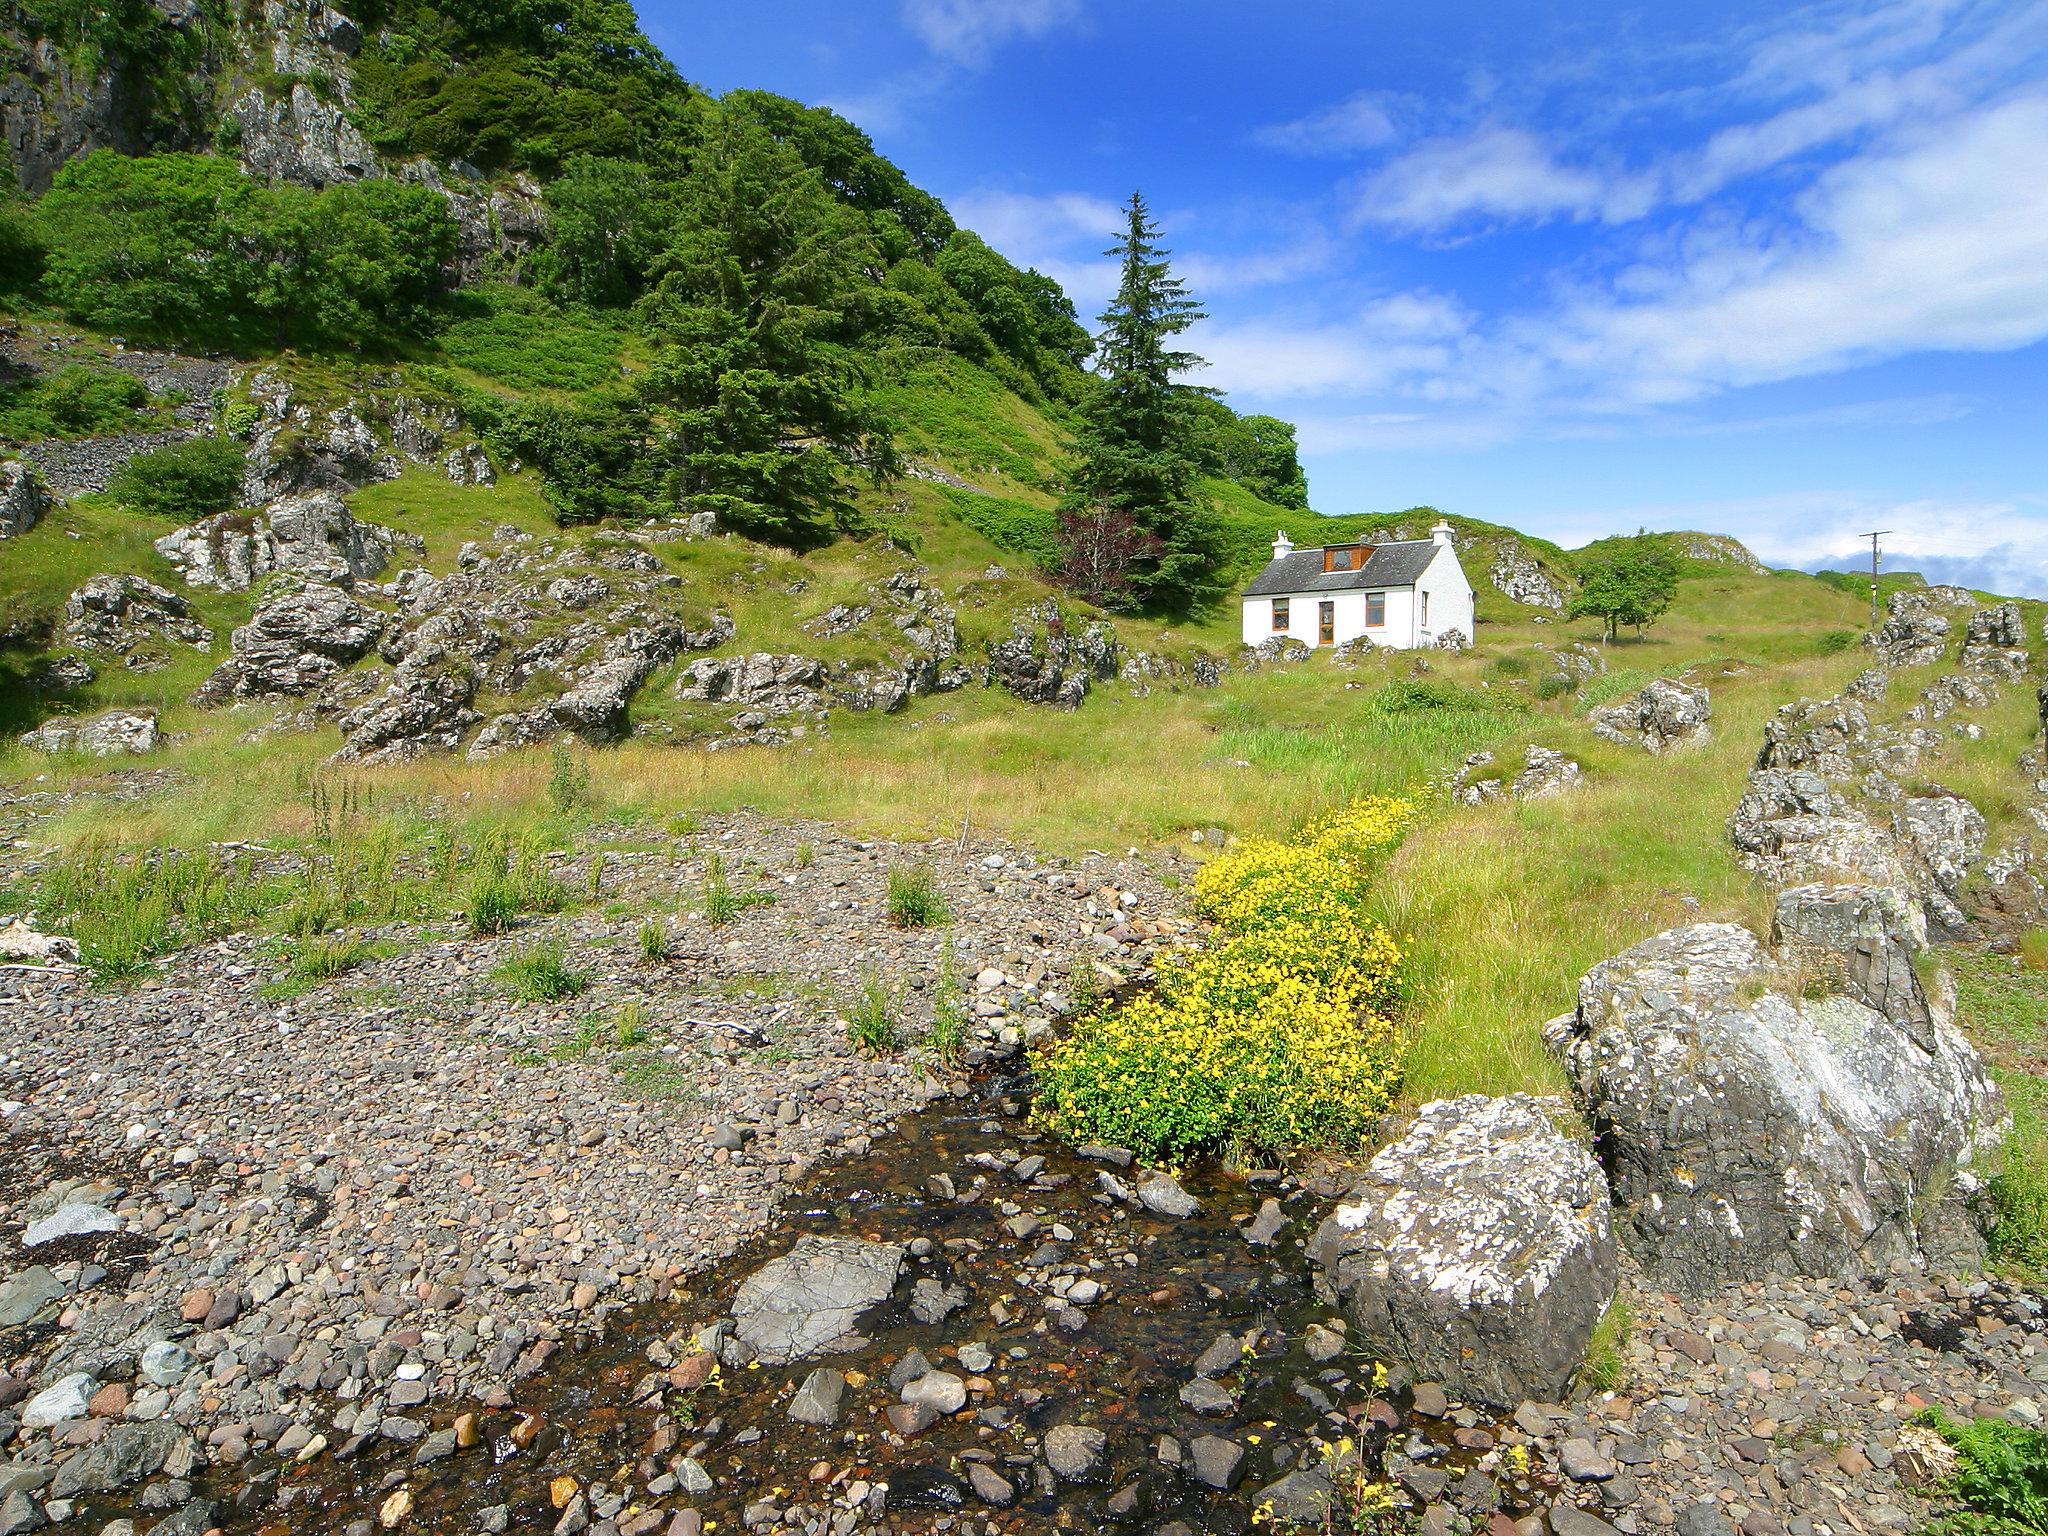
(805, 1302)
(28, 1293)
(1476, 1249)
(77, 1219)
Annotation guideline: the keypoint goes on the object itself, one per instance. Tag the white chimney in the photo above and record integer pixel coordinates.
(1283, 546)
(1441, 533)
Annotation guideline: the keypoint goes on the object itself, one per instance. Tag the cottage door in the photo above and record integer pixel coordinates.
(1326, 624)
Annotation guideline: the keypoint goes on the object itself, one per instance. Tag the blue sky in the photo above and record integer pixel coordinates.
(1777, 273)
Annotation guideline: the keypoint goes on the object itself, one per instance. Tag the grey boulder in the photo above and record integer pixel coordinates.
(125, 1455)
(314, 534)
(292, 645)
(1809, 1112)
(21, 498)
(115, 733)
(1477, 1249)
(806, 1302)
(1664, 715)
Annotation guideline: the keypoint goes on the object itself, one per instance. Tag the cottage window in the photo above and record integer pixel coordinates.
(1338, 559)
(1375, 609)
(1279, 615)
(1425, 610)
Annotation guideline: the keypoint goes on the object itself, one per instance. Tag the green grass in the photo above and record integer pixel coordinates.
(871, 1017)
(512, 338)
(2003, 1002)
(541, 975)
(947, 1039)
(915, 900)
(1606, 1366)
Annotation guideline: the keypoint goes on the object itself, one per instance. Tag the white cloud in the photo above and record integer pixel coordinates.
(1358, 122)
(1494, 176)
(966, 32)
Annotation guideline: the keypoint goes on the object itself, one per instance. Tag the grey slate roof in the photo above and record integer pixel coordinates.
(1391, 565)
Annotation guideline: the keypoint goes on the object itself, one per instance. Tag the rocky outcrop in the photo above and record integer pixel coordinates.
(294, 449)
(1544, 773)
(1477, 1249)
(1043, 661)
(115, 733)
(808, 1301)
(1664, 715)
(1916, 630)
(1719, 549)
(424, 707)
(1766, 1113)
(496, 227)
(594, 707)
(1143, 671)
(130, 618)
(1822, 737)
(292, 645)
(1791, 826)
(1517, 576)
(21, 498)
(1995, 642)
(300, 139)
(314, 535)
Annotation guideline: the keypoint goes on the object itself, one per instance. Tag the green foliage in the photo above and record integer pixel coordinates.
(22, 250)
(1016, 526)
(721, 902)
(568, 780)
(182, 482)
(606, 225)
(152, 52)
(596, 457)
(493, 904)
(75, 401)
(1632, 581)
(756, 310)
(915, 900)
(1256, 452)
(1606, 1365)
(184, 248)
(948, 1037)
(323, 959)
(541, 975)
(653, 940)
(1139, 439)
(125, 913)
(2001, 1471)
(519, 340)
(871, 1017)
(1835, 641)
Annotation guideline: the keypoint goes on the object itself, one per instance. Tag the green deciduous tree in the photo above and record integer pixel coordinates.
(1139, 438)
(1632, 581)
(760, 299)
(605, 226)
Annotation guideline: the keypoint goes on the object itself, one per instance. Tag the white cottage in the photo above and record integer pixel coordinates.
(1406, 594)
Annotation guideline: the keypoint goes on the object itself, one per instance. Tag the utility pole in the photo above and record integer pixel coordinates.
(1874, 537)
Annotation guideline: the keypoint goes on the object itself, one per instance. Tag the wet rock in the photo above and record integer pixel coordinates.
(314, 535)
(1075, 1452)
(125, 1455)
(116, 733)
(22, 501)
(1570, 1520)
(1162, 1195)
(1215, 1462)
(932, 1303)
(1748, 1132)
(1476, 1248)
(131, 618)
(807, 1301)
(293, 644)
(990, 1486)
(21, 1513)
(1305, 1496)
(817, 1400)
(941, 1391)
(25, 1295)
(1263, 1229)
(1208, 1397)
(1664, 715)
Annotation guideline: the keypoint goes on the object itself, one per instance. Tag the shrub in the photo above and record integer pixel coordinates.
(914, 898)
(870, 1020)
(1833, 642)
(322, 959)
(493, 905)
(1278, 1036)
(2001, 1473)
(74, 402)
(540, 975)
(568, 780)
(184, 482)
(1552, 685)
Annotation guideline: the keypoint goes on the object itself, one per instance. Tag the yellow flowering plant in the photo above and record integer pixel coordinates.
(1278, 1035)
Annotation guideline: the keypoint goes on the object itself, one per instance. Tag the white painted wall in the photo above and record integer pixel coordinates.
(1450, 599)
(1450, 606)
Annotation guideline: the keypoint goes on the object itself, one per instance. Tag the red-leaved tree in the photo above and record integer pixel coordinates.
(1101, 553)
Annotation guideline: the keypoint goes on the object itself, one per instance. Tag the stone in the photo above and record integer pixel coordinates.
(1305, 1496)
(112, 733)
(1666, 714)
(807, 1301)
(20, 1513)
(990, 1486)
(1207, 1397)
(1323, 1344)
(817, 1400)
(314, 535)
(1075, 1452)
(27, 1294)
(1582, 1462)
(293, 644)
(1430, 1400)
(1215, 1462)
(79, 1218)
(941, 1391)
(1476, 1249)
(128, 617)
(1570, 1520)
(300, 138)
(1516, 575)
(125, 1455)
(1044, 661)
(1751, 1132)
(66, 1399)
(932, 1302)
(22, 501)
(1162, 1195)
(1703, 1520)
(193, 1519)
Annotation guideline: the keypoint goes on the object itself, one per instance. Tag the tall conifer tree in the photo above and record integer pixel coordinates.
(1138, 438)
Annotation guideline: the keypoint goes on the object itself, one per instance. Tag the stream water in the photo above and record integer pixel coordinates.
(602, 1431)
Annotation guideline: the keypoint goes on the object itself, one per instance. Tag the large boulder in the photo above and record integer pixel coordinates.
(425, 707)
(1824, 736)
(1770, 1114)
(1791, 826)
(125, 1455)
(1043, 660)
(315, 535)
(1995, 641)
(113, 734)
(293, 644)
(132, 618)
(807, 1302)
(21, 498)
(1664, 715)
(1477, 1249)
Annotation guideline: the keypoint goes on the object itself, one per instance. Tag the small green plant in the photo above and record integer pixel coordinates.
(2001, 1475)
(593, 880)
(568, 780)
(1832, 642)
(870, 1020)
(1606, 1364)
(493, 905)
(540, 975)
(721, 902)
(653, 940)
(805, 854)
(948, 1039)
(629, 1026)
(915, 900)
(323, 959)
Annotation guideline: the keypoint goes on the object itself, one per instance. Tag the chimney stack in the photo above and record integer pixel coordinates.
(1283, 546)
(1441, 533)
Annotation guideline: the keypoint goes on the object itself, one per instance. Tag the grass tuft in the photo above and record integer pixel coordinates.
(870, 1018)
(540, 975)
(915, 900)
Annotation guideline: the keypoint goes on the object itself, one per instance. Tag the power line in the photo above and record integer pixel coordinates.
(1873, 537)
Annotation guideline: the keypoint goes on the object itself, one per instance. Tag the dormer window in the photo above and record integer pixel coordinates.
(1344, 557)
